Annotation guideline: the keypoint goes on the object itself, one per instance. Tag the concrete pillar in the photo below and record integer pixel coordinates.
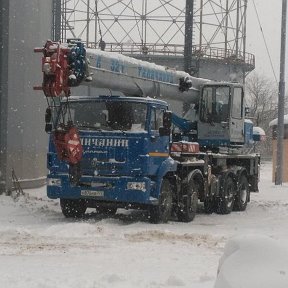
(23, 142)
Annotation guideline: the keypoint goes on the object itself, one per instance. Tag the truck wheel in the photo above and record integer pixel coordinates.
(73, 207)
(106, 210)
(190, 200)
(225, 203)
(161, 213)
(242, 196)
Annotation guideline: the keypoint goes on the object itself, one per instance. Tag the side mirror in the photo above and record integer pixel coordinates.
(48, 118)
(164, 131)
(167, 123)
(48, 128)
(247, 111)
(48, 115)
(167, 119)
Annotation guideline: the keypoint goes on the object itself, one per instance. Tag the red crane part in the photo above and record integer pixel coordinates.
(55, 69)
(68, 145)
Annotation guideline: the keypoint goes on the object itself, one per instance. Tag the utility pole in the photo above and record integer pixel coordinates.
(281, 95)
(188, 36)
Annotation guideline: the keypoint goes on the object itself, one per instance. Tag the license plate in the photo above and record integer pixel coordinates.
(90, 193)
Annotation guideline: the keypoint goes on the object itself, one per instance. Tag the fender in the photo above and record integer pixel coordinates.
(169, 165)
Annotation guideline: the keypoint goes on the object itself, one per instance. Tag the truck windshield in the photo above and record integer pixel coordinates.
(215, 104)
(108, 115)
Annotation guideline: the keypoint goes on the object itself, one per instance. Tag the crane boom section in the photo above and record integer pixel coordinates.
(138, 78)
(66, 65)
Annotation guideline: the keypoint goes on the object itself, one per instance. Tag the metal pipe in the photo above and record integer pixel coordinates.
(281, 102)
(244, 37)
(188, 36)
(88, 24)
(226, 28)
(201, 24)
(96, 24)
(237, 28)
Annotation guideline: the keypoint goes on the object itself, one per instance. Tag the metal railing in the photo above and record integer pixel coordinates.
(199, 52)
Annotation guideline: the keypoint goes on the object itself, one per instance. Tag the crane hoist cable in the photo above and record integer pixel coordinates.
(265, 42)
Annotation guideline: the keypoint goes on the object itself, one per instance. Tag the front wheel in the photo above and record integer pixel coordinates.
(161, 213)
(243, 193)
(73, 207)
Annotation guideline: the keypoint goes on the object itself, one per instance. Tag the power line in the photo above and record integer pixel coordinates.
(264, 39)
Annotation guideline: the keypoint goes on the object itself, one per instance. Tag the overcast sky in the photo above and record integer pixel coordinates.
(270, 16)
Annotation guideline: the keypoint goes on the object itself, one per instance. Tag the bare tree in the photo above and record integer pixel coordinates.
(261, 97)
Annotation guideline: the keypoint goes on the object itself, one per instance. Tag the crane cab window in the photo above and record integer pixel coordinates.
(237, 103)
(156, 118)
(215, 104)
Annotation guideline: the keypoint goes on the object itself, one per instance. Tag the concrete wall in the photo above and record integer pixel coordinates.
(4, 39)
(29, 26)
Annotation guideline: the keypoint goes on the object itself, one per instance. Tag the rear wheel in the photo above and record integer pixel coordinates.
(73, 207)
(161, 213)
(190, 198)
(225, 203)
(242, 196)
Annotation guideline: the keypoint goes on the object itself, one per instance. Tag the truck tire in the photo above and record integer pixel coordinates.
(161, 213)
(243, 193)
(190, 200)
(106, 210)
(225, 202)
(75, 208)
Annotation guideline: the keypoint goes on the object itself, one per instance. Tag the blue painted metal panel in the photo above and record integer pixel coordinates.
(115, 189)
(116, 158)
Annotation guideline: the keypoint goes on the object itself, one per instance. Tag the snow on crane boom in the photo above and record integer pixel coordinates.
(65, 66)
(140, 78)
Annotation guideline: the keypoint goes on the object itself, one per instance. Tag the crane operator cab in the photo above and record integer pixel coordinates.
(221, 115)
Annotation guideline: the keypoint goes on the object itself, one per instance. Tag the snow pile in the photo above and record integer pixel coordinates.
(253, 261)
(275, 121)
(258, 131)
(39, 247)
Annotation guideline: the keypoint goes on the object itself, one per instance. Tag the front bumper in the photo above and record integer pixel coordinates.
(115, 189)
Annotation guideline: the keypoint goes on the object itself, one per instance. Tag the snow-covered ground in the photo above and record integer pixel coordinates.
(41, 248)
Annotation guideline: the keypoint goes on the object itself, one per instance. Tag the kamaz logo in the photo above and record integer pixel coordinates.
(104, 142)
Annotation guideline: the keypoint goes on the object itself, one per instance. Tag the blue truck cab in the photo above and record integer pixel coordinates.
(125, 154)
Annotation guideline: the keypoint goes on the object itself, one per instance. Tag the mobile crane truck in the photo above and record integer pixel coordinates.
(129, 150)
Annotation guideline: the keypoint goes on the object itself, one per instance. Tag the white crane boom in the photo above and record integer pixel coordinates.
(65, 65)
(140, 78)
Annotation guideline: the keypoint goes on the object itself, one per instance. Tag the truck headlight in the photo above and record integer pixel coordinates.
(54, 182)
(136, 186)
